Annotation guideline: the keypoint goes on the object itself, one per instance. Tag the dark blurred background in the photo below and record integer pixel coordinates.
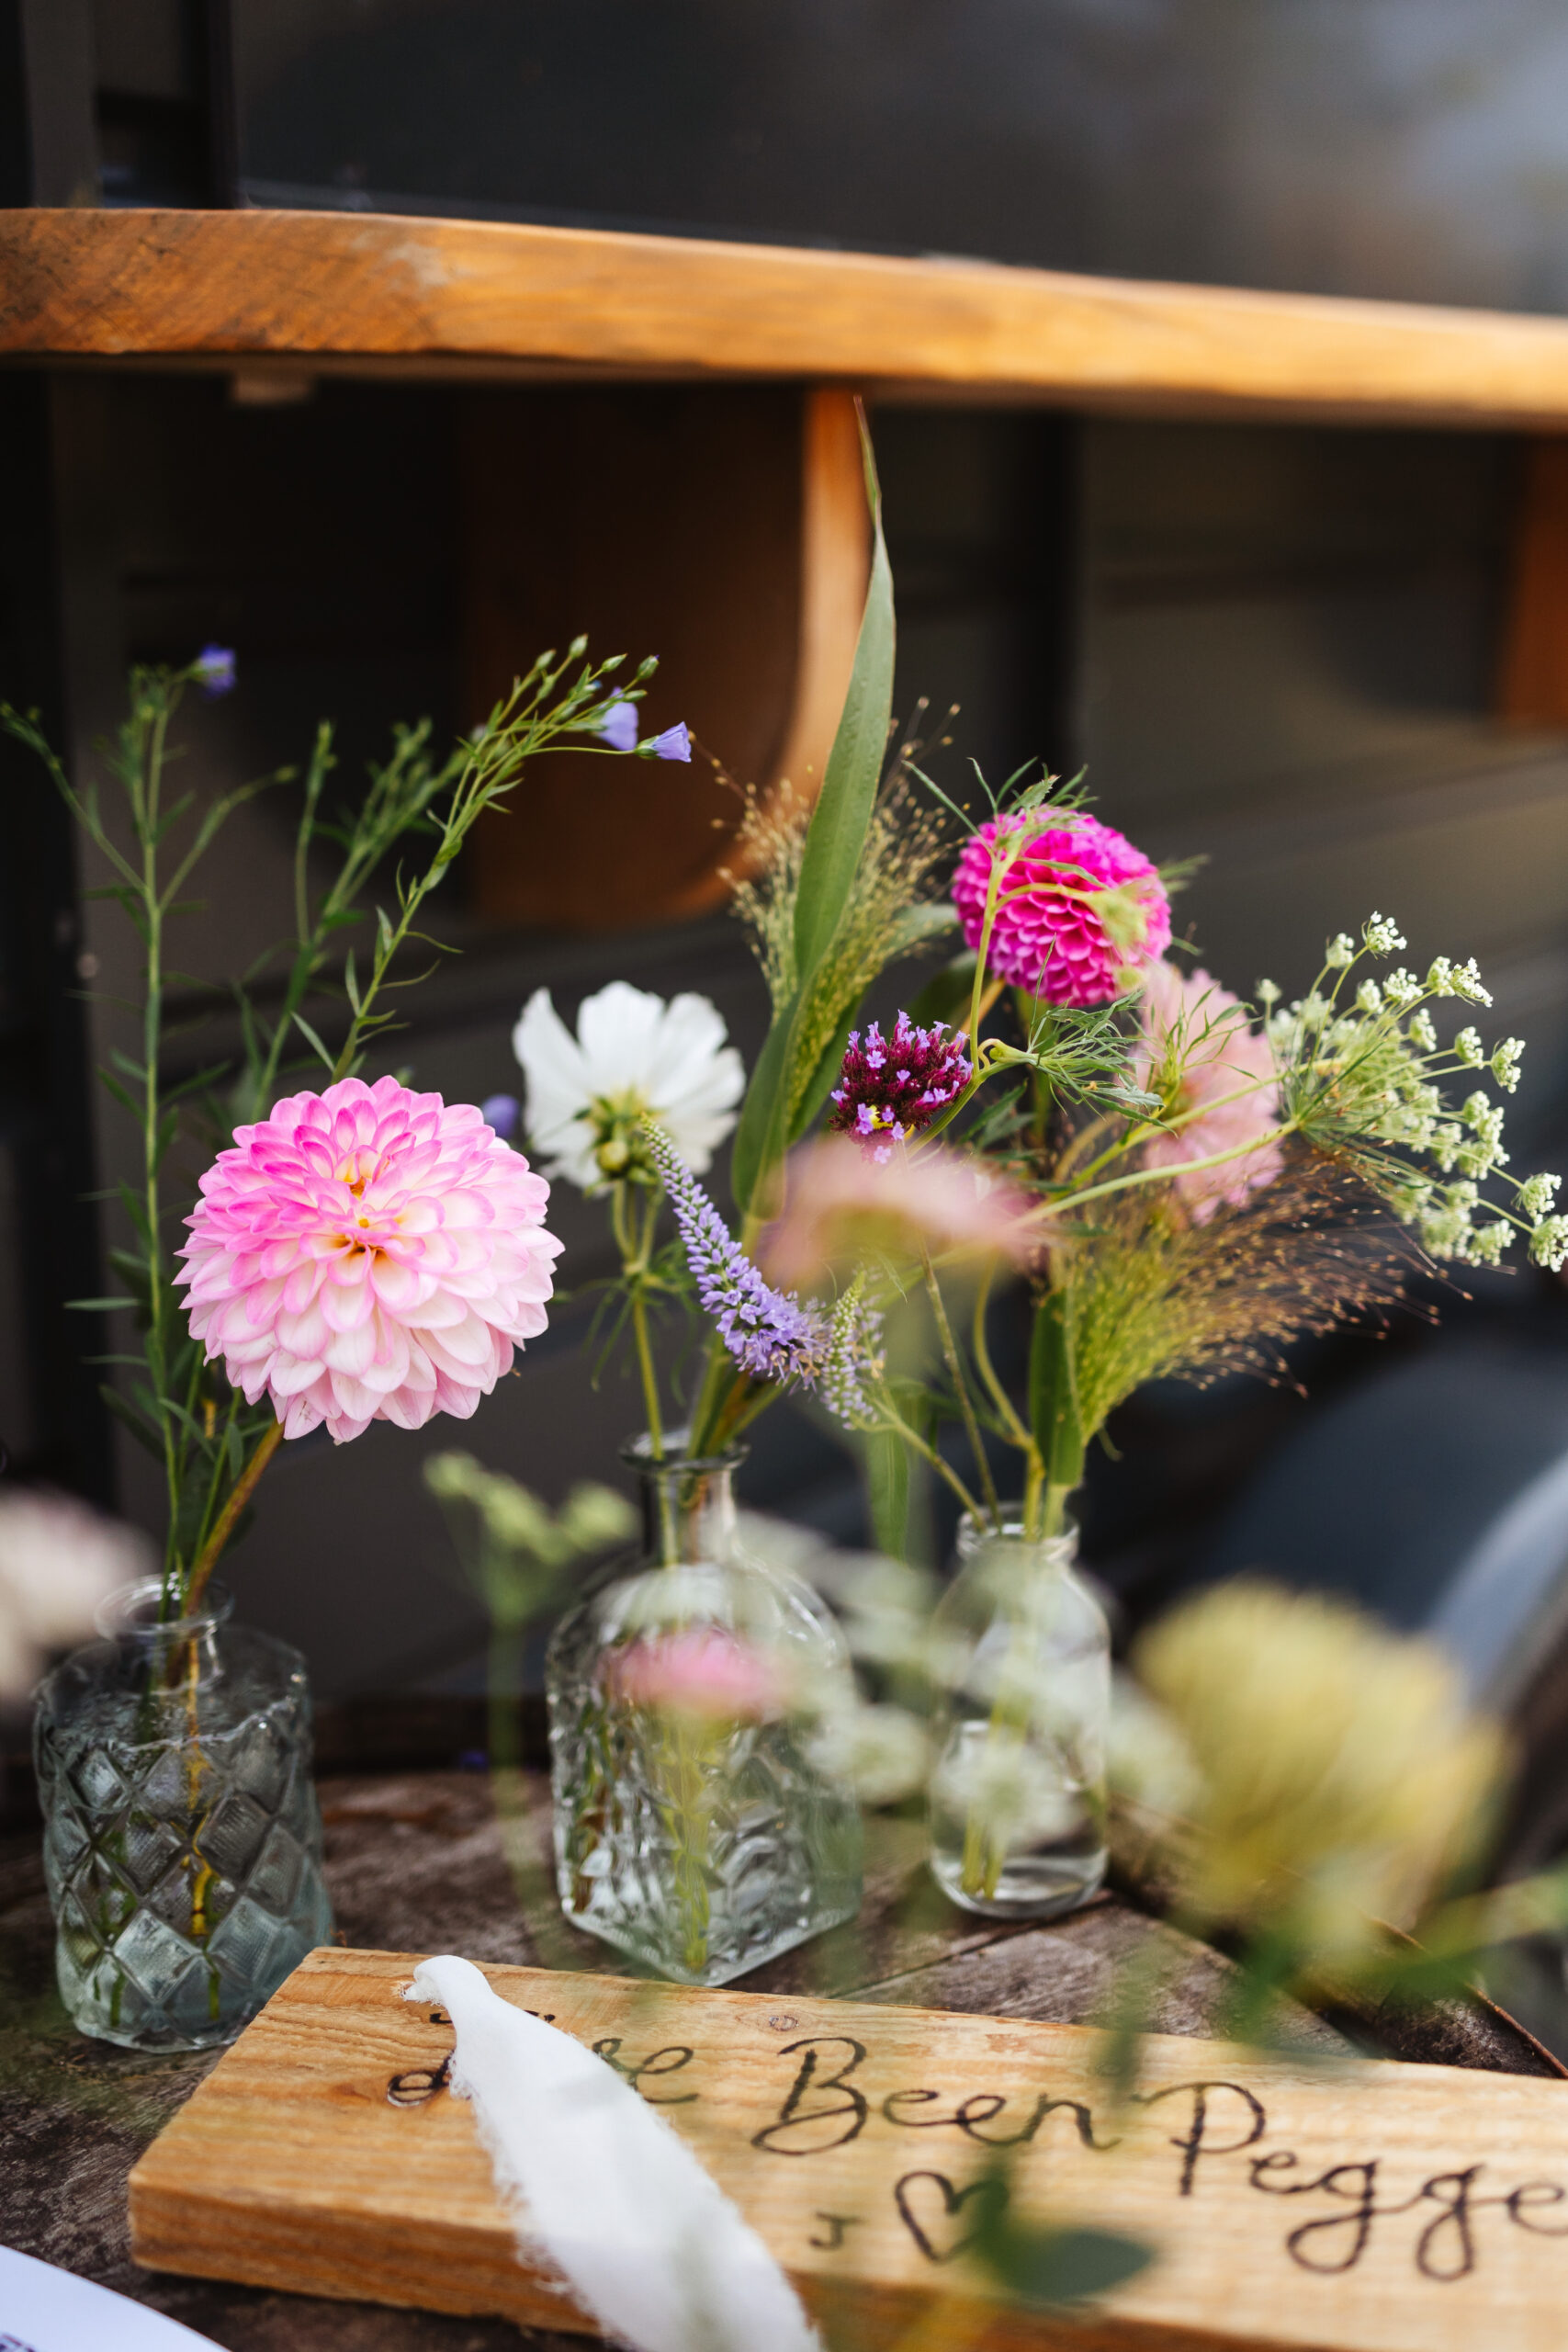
(1282, 647)
(1416, 149)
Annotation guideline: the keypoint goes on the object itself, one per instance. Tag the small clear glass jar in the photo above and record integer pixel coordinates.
(1017, 1793)
(694, 1829)
(182, 1838)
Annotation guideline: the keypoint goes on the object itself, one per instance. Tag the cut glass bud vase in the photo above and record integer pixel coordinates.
(1018, 1795)
(182, 1840)
(693, 1828)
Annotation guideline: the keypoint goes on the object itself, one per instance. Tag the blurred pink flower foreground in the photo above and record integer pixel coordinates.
(702, 1670)
(367, 1255)
(838, 1204)
(1229, 1094)
(1080, 911)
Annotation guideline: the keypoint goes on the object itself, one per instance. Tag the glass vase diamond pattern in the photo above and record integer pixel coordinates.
(692, 1829)
(182, 1840)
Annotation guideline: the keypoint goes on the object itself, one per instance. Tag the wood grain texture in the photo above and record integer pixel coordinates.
(246, 285)
(835, 565)
(421, 1850)
(723, 528)
(1533, 672)
(1366, 2207)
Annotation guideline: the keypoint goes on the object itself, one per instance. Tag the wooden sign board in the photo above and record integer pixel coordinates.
(1364, 2207)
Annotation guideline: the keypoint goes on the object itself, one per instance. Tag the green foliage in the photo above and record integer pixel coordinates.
(854, 765)
(805, 1023)
(1043, 2268)
(897, 1488)
(1054, 1412)
(946, 994)
(512, 1547)
(210, 1443)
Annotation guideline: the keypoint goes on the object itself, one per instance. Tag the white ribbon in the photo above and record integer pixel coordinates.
(647, 2240)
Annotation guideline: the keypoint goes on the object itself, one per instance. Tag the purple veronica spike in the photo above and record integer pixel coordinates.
(769, 1332)
(501, 1112)
(618, 726)
(676, 744)
(892, 1087)
(214, 668)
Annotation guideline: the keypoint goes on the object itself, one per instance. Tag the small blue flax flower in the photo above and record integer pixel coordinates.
(617, 727)
(676, 744)
(214, 671)
(772, 1334)
(502, 1113)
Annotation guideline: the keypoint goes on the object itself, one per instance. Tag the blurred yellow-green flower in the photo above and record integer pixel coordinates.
(1340, 1778)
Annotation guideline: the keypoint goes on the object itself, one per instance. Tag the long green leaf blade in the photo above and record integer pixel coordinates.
(763, 1135)
(838, 822)
(835, 842)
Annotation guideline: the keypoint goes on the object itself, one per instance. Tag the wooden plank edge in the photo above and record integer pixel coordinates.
(445, 2266)
(257, 2245)
(323, 286)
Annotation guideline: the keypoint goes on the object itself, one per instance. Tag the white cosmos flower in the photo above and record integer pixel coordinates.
(632, 1054)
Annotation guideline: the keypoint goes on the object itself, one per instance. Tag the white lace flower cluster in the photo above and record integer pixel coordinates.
(1362, 1074)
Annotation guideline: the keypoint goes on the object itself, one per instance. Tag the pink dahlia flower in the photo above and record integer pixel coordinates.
(1227, 1092)
(702, 1670)
(1079, 910)
(367, 1255)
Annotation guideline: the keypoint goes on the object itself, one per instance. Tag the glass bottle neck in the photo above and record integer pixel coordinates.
(159, 1646)
(688, 1508)
(1060, 1550)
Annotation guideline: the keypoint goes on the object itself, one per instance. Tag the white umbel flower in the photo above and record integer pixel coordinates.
(632, 1054)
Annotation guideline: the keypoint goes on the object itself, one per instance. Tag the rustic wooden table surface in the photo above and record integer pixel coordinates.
(416, 1862)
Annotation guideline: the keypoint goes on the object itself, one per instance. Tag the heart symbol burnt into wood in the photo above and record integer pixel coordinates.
(987, 2196)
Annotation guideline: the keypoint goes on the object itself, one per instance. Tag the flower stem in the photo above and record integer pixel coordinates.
(145, 795)
(1168, 1175)
(649, 1376)
(998, 1396)
(893, 1420)
(636, 1249)
(245, 1488)
(960, 1388)
(1033, 1495)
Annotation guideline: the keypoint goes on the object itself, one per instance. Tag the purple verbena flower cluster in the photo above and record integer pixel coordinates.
(770, 1333)
(892, 1087)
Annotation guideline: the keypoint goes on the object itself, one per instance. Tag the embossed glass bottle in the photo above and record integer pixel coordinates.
(693, 1827)
(182, 1840)
(1018, 1796)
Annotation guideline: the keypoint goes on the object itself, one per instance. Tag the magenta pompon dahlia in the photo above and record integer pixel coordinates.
(892, 1087)
(367, 1254)
(1080, 912)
